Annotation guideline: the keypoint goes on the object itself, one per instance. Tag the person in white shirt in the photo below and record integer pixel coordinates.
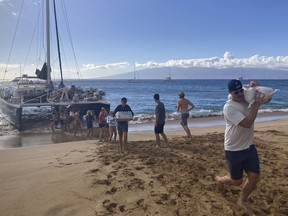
(111, 120)
(240, 151)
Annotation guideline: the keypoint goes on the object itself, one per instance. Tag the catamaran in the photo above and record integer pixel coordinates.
(40, 90)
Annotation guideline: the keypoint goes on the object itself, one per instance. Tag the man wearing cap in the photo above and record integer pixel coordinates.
(240, 152)
(122, 126)
(184, 106)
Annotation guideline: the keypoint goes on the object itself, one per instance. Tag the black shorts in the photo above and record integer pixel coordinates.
(245, 160)
(89, 126)
(159, 128)
(101, 125)
(122, 128)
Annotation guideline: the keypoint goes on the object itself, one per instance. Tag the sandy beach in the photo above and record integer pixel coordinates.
(86, 178)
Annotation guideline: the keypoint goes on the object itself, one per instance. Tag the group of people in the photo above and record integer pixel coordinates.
(107, 124)
(183, 106)
(240, 151)
(69, 122)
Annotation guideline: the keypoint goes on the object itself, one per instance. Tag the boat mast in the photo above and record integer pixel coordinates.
(135, 72)
(58, 45)
(48, 42)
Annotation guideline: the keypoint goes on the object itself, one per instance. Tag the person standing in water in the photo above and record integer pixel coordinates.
(184, 106)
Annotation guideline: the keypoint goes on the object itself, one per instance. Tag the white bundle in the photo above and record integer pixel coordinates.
(266, 93)
(124, 115)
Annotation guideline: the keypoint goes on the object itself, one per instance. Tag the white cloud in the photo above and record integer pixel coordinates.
(228, 56)
(119, 65)
(228, 60)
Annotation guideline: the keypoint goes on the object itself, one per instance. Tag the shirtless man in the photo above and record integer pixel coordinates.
(184, 106)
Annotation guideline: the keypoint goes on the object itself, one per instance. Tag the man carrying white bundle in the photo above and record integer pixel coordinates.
(240, 152)
(122, 126)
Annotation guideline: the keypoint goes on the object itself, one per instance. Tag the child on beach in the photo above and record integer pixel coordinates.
(89, 123)
(102, 124)
(112, 127)
(77, 123)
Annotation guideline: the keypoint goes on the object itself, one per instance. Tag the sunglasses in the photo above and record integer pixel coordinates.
(239, 91)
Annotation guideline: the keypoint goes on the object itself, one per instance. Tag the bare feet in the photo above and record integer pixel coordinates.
(246, 208)
(220, 186)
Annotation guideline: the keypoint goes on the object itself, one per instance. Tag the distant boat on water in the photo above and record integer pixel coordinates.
(135, 79)
(240, 78)
(169, 78)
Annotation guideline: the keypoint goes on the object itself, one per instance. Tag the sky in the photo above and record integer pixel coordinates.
(112, 36)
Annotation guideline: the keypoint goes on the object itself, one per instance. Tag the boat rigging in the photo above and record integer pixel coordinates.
(29, 91)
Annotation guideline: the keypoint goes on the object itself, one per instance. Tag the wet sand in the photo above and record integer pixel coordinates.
(41, 134)
(91, 178)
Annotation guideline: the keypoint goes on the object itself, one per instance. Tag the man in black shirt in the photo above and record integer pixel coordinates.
(160, 116)
(122, 126)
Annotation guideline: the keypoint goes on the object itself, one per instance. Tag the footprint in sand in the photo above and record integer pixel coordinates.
(110, 206)
(103, 182)
(92, 170)
(115, 172)
(111, 191)
(128, 172)
(122, 208)
(140, 202)
(89, 160)
(135, 183)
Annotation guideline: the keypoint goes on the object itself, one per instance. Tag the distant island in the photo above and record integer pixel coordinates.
(205, 73)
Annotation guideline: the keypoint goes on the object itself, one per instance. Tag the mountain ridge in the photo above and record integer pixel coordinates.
(203, 73)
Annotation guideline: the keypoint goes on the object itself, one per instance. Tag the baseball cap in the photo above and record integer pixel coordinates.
(234, 85)
(181, 94)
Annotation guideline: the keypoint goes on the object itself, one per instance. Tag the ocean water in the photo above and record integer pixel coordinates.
(208, 96)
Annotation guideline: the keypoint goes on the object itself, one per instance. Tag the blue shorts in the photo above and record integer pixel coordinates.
(184, 117)
(122, 128)
(245, 160)
(159, 128)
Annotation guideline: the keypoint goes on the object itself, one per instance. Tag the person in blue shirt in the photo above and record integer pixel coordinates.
(122, 126)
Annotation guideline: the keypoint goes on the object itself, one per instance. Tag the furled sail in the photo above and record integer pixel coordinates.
(43, 73)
